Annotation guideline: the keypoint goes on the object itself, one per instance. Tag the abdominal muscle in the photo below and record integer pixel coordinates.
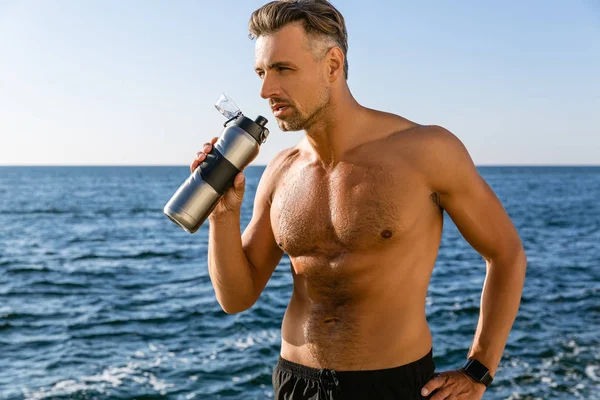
(362, 317)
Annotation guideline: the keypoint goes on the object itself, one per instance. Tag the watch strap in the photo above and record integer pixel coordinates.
(478, 372)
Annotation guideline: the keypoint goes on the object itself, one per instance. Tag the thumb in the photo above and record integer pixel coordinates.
(239, 185)
(435, 383)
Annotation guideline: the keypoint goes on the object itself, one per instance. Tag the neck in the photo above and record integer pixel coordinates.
(337, 130)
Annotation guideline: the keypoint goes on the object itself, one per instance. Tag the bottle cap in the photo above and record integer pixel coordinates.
(256, 128)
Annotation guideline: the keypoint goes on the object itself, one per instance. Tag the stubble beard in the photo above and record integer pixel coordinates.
(296, 121)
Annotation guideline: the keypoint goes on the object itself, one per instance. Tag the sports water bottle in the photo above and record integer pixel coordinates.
(237, 146)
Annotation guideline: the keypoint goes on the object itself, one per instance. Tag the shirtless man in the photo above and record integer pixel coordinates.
(358, 206)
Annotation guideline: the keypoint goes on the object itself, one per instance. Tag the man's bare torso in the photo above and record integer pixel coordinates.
(362, 238)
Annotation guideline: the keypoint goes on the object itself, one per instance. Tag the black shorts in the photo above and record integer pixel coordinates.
(292, 381)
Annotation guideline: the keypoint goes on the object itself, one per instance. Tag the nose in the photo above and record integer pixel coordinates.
(270, 87)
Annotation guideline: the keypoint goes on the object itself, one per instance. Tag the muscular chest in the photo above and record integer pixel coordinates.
(353, 208)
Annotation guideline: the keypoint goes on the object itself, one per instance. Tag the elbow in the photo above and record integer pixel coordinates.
(230, 307)
(519, 264)
(523, 259)
(511, 262)
(232, 310)
(520, 260)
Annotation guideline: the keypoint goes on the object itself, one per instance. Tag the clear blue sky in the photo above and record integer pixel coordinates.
(134, 82)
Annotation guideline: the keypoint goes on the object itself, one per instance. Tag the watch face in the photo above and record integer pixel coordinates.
(477, 369)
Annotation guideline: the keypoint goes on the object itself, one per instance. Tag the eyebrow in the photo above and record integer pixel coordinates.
(277, 64)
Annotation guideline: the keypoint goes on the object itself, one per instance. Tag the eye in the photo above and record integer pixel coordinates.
(260, 74)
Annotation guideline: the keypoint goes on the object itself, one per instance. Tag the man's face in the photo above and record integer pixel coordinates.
(293, 82)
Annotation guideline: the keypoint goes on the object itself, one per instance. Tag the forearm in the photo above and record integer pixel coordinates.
(500, 301)
(228, 267)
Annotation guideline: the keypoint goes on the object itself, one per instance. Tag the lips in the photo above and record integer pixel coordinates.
(277, 106)
(279, 109)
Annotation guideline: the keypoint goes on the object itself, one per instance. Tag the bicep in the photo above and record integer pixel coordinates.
(258, 240)
(469, 200)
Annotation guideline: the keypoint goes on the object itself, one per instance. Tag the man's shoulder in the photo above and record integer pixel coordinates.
(282, 160)
(432, 150)
(440, 157)
(423, 142)
(401, 129)
(422, 134)
(276, 169)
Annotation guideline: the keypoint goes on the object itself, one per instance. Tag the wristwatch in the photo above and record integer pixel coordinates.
(478, 372)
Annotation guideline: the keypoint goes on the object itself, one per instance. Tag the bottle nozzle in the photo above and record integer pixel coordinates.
(260, 120)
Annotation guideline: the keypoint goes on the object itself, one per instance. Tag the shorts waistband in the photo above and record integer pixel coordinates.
(410, 371)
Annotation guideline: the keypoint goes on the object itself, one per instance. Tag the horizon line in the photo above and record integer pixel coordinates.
(264, 165)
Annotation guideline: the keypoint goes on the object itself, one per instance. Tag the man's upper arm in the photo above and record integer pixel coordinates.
(467, 198)
(258, 240)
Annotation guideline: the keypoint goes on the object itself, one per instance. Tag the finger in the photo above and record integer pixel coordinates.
(214, 140)
(435, 383)
(239, 185)
(239, 181)
(199, 158)
(444, 394)
(197, 161)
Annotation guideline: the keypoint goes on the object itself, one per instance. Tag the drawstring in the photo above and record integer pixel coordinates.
(327, 378)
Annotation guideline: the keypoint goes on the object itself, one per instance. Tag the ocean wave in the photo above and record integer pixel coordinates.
(80, 239)
(26, 270)
(51, 211)
(143, 210)
(271, 336)
(59, 284)
(35, 341)
(13, 316)
(105, 384)
(5, 326)
(138, 256)
(166, 319)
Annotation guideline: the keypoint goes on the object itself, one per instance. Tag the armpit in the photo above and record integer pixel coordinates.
(435, 197)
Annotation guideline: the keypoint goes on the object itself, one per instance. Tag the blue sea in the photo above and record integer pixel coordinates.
(103, 297)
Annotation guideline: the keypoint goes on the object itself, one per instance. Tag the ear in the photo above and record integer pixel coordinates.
(335, 64)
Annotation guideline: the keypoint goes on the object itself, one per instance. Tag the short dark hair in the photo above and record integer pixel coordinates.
(319, 17)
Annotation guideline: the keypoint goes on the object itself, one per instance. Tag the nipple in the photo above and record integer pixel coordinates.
(386, 234)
